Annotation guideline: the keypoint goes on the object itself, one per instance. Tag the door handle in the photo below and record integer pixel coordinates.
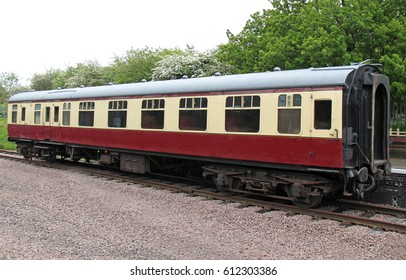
(335, 133)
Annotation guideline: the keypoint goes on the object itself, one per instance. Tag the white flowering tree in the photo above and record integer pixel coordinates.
(9, 85)
(191, 63)
(89, 73)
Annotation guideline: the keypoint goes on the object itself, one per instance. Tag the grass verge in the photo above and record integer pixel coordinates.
(4, 143)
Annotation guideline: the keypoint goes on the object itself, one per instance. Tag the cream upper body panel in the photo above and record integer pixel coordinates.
(54, 113)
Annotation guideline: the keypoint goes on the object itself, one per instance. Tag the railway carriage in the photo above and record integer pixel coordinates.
(307, 133)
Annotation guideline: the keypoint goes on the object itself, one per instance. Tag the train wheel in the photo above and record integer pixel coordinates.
(304, 196)
(231, 189)
(24, 152)
(52, 156)
(308, 202)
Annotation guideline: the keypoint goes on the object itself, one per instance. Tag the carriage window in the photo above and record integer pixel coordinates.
(86, 113)
(242, 113)
(289, 115)
(47, 113)
(193, 114)
(322, 114)
(56, 114)
(14, 114)
(23, 114)
(282, 100)
(153, 113)
(297, 100)
(117, 115)
(37, 113)
(66, 114)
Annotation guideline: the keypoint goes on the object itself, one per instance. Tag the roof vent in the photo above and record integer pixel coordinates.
(217, 74)
(58, 88)
(277, 69)
(110, 83)
(184, 77)
(143, 81)
(82, 86)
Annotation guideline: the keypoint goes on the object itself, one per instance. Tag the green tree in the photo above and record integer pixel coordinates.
(395, 67)
(314, 33)
(3, 95)
(136, 65)
(52, 79)
(243, 50)
(9, 82)
(41, 82)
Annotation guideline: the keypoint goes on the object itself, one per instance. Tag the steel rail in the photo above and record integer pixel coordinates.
(381, 209)
(345, 218)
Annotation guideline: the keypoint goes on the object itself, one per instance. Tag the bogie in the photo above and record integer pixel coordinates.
(303, 190)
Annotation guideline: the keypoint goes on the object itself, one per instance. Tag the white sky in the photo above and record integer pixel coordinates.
(37, 35)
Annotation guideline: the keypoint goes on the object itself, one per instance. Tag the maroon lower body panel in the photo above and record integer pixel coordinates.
(306, 151)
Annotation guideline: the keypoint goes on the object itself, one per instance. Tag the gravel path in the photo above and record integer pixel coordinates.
(54, 214)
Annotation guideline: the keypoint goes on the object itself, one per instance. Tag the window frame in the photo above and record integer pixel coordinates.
(66, 109)
(47, 114)
(23, 113)
(243, 114)
(56, 114)
(37, 113)
(86, 113)
(193, 114)
(289, 113)
(322, 120)
(117, 110)
(153, 113)
(14, 113)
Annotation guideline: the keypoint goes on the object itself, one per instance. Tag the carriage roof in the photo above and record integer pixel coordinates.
(303, 78)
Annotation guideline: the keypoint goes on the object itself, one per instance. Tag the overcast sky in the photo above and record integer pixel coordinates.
(38, 35)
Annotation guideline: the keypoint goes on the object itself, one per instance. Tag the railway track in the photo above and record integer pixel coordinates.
(375, 216)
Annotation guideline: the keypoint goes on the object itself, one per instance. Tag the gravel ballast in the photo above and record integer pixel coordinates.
(55, 214)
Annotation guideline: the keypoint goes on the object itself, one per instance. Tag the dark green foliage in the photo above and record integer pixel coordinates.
(52, 79)
(135, 65)
(3, 110)
(315, 33)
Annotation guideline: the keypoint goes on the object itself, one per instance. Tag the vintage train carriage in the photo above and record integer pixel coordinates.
(310, 132)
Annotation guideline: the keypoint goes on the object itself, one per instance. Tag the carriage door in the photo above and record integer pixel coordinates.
(51, 122)
(380, 117)
(324, 129)
(56, 131)
(47, 123)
